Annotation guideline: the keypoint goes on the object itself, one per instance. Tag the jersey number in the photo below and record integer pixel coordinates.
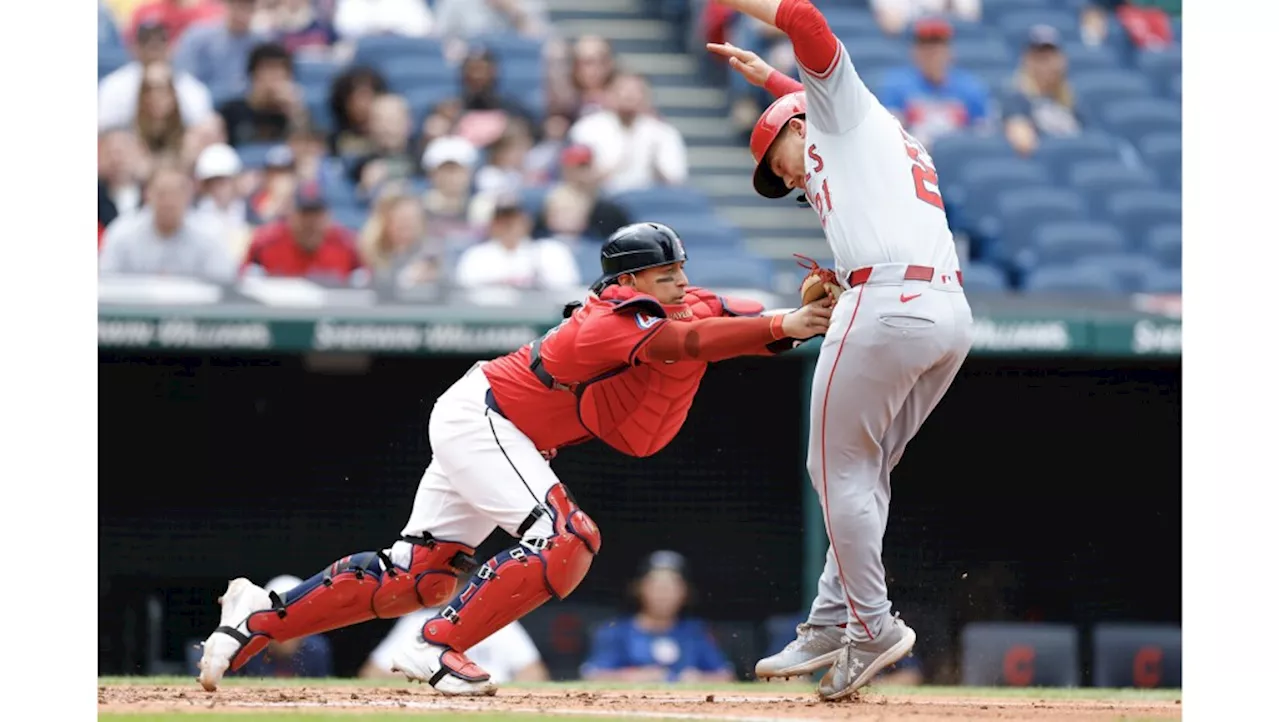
(922, 170)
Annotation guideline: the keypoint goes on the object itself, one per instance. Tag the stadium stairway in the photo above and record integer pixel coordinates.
(719, 165)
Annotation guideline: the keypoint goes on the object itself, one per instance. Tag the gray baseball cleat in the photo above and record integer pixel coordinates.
(814, 648)
(859, 663)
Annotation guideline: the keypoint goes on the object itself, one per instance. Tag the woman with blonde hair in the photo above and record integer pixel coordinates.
(158, 121)
(1041, 101)
(394, 241)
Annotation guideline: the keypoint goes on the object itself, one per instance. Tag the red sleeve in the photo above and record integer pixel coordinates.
(712, 339)
(815, 45)
(779, 85)
(616, 338)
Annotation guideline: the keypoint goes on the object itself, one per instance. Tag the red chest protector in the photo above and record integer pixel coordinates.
(637, 408)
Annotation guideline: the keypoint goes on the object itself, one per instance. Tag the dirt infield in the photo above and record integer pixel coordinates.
(729, 704)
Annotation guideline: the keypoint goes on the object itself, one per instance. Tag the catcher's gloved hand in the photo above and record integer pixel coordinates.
(819, 283)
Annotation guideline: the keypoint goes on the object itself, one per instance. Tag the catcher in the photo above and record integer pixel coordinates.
(623, 367)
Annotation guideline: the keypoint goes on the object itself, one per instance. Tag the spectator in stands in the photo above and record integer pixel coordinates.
(165, 237)
(309, 147)
(566, 214)
(216, 52)
(176, 15)
(297, 26)
(508, 655)
(513, 259)
(355, 19)
(472, 18)
(394, 242)
(658, 643)
(391, 159)
(450, 162)
(157, 121)
(222, 196)
(121, 169)
(307, 243)
(593, 71)
(507, 170)
(480, 71)
(275, 193)
(1095, 23)
(1040, 102)
(350, 101)
(118, 92)
(273, 103)
(604, 216)
(932, 98)
(543, 162)
(894, 16)
(310, 656)
(631, 147)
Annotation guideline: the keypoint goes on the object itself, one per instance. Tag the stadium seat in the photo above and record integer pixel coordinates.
(1164, 244)
(1175, 87)
(533, 198)
(660, 200)
(971, 194)
(713, 268)
(1137, 655)
(376, 49)
(1160, 65)
(1064, 242)
(1136, 117)
(1163, 280)
(408, 74)
(315, 71)
(1136, 212)
(423, 99)
(984, 277)
(1058, 154)
(1015, 654)
(994, 10)
(951, 153)
(110, 59)
(1098, 180)
(587, 256)
(254, 155)
(1070, 280)
(1083, 58)
(1129, 270)
(847, 21)
(1096, 89)
(1016, 23)
(1021, 211)
(351, 216)
(703, 229)
(1162, 153)
(512, 49)
(982, 53)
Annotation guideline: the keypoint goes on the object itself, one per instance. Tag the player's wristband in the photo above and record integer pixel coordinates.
(778, 84)
(775, 327)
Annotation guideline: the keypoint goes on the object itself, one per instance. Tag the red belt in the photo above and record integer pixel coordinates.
(914, 273)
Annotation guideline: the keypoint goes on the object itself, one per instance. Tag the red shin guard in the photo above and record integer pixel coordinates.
(519, 580)
(356, 589)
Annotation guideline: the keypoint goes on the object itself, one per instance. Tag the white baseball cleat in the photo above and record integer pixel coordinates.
(450, 672)
(814, 648)
(859, 663)
(241, 599)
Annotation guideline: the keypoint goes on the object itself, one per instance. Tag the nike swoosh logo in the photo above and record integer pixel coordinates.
(904, 297)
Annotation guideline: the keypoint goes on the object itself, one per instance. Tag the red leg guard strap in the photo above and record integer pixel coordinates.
(356, 589)
(520, 579)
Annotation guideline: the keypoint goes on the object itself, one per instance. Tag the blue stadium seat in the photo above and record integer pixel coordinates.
(994, 10)
(1095, 89)
(254, 155)
(1160, 65)
(717, 269)
(1136, 117)
(658, 201)
(965, 30)
(315, 71)
(533, 198)
(1083, 58)
(951, 153)
(1175, 87)
(1099, 179)
(1070, 280)
(971, 194)
(318, 110)
(984, 277)
(110, 59)
(983, 53)
(702, 229)
(423, 99)
(352, 217)
(850, 21)
(1163, 155)
(587, 256)
(1164, 243)
(1177, 29)
(1021, 211)
(1129, 270)
(1137, 212)
(376, 49)
(1058, 154)
(1015, 24)
(406, 74)
(880, 53)
(1065, 242)
(511, 49)
(1163, 280)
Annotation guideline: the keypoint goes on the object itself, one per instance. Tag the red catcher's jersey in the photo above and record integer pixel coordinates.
(602, 384)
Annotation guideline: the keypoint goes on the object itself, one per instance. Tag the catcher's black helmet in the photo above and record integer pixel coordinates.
(637, 247)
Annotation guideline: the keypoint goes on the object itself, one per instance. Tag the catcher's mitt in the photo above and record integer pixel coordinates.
(819, 283)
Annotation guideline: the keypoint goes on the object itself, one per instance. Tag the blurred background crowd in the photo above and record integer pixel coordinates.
(497, 142)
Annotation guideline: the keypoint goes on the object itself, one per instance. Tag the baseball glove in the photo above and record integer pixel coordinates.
(819, 283)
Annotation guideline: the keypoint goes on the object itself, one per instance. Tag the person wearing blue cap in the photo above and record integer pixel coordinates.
(657, 643)
(1040, 101)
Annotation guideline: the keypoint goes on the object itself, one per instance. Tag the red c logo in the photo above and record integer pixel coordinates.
(1020, 665)
(1147, 666)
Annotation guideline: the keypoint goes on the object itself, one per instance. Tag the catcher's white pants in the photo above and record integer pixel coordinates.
(484, 473)
(889, 356)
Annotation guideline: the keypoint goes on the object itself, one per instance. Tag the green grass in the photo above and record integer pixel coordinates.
(1079, 693)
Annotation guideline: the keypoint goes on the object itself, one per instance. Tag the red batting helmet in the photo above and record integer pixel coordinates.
(771, 123)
